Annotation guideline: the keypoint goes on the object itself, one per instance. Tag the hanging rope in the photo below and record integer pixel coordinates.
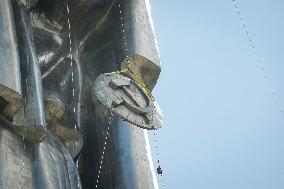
(260, 64)
(137, 79)
(159, 169)
(71, 59)
(23, 163)
(104, 148)
(140, 83)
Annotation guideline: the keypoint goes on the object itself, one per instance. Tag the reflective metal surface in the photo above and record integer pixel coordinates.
(10, 79)
(136, 39)
(30, 117)
(127, 99)
(46, 165)
(76, 120)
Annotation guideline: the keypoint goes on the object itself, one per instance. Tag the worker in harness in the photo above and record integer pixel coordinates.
(159, 170)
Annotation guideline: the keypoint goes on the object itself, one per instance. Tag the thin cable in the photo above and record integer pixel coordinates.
(104, 148)
(124, 40)
(125, 45)
(158, 158)
(23, 165)
(260, 64)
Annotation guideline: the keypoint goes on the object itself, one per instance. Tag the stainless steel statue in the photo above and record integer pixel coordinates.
(65, 65)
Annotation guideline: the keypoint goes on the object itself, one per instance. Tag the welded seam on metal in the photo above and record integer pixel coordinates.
(72, 77)
(259, 61)
(71, 55)
(71, 63)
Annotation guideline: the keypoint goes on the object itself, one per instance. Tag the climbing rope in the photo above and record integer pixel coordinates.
(23, 164)
(141, 84)
(127, 70)
(159, 169)
(107, 135)
(260, 64)
(136, 78)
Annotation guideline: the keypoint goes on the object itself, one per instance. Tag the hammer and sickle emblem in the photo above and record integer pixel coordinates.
(131, 99)
(128, 100)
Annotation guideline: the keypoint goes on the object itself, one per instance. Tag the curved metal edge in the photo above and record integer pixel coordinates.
(152, 127)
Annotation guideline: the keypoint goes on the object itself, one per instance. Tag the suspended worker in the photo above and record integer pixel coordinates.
(159, 170)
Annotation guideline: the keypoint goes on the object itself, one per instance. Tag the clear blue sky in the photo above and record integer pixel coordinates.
(222, 127)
